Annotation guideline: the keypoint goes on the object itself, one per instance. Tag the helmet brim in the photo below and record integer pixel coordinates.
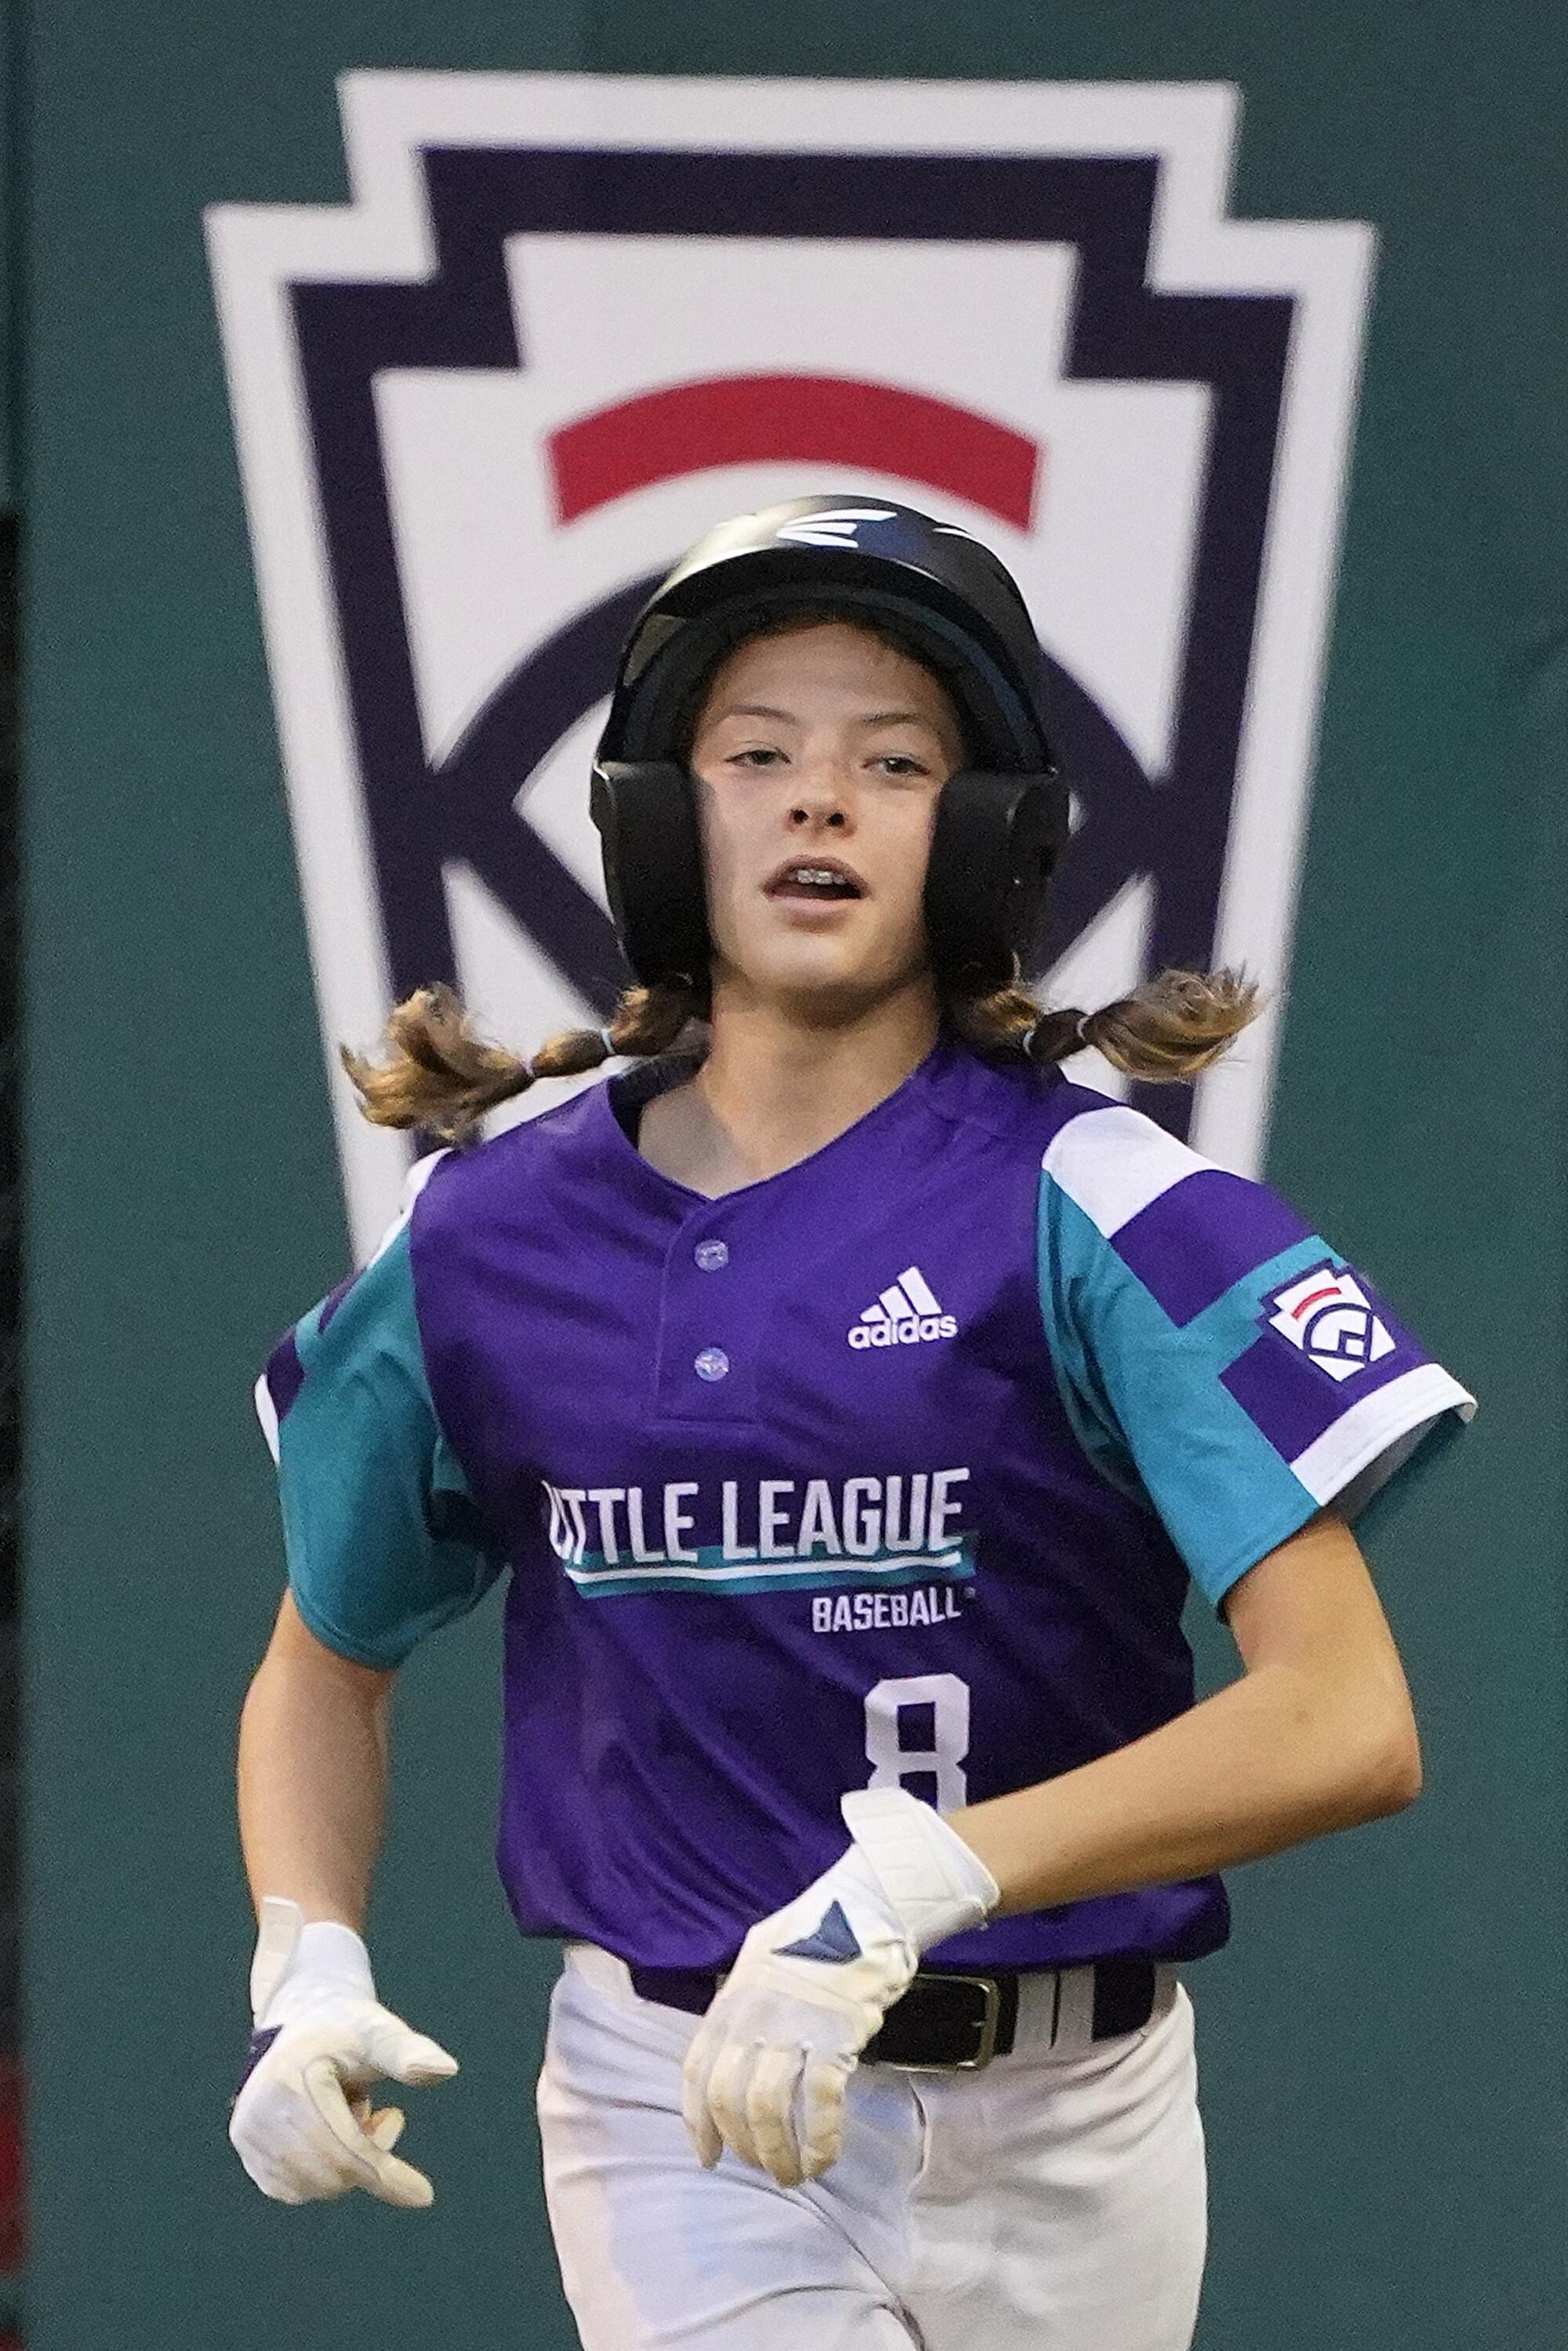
(671, 658)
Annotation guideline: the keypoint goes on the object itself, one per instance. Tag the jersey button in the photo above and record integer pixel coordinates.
(712, 1256)
(712, 1363)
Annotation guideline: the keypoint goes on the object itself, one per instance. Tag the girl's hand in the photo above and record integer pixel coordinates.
(301, 2124)
(765, 2074)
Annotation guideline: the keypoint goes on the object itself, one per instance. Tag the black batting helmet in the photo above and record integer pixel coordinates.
(1001, 822)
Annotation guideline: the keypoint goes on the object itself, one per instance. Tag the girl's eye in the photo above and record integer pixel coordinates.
(900, 763)
(761, 757)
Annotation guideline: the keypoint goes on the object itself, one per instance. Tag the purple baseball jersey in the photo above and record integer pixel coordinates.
(892, 1468)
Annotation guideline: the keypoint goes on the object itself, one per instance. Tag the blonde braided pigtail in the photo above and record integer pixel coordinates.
(1174, 1026)
(438, 1073)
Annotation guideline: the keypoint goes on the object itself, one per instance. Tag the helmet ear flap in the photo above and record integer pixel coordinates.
(995, 843)
(646, 811)
(995, 840)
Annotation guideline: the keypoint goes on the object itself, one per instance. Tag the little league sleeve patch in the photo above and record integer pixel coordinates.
(1327, 1315)
(1207, 1344)
(1325, 1356)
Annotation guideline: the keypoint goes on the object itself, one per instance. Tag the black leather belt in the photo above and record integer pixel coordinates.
(945, 2021)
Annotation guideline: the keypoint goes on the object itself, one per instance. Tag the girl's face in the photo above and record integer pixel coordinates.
(819, 756)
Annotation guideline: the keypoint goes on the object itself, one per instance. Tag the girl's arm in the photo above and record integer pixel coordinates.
(1317, 1734)
(313, 1775)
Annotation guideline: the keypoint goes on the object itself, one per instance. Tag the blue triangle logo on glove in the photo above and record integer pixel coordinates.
(834, 1941)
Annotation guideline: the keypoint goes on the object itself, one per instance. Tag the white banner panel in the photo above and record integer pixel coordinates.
(566, 323)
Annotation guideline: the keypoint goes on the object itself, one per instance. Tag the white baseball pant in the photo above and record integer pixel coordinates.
(1054, 2201)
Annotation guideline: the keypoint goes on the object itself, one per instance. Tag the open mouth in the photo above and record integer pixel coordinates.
(815, 881)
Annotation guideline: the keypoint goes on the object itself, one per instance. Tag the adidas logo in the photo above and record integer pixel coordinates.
(906, 1310)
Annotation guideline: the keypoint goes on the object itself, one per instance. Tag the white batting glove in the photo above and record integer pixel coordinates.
(765, 2074)
(302, 2124)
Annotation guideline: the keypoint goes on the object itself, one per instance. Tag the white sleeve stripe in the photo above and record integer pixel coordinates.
(1113, 1163)
(1408, 1406)
(418, 1176)
(267, 1412)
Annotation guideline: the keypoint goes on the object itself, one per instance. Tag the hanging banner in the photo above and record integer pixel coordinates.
(566, 323)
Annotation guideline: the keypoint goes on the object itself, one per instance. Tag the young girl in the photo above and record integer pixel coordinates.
(851, 1398)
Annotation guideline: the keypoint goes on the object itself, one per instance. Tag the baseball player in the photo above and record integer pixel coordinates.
(850, 1399)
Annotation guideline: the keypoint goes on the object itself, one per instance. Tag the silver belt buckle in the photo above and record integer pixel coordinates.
(989, 2024)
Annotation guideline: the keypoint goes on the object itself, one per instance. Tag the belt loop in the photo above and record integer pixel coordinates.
(1008, 2002)
(1075, 2013)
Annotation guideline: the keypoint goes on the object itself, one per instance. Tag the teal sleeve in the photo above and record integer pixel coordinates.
(1186, 1379)
(383, 1540)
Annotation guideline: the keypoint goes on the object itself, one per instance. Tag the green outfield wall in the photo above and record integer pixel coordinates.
(1384, 2043)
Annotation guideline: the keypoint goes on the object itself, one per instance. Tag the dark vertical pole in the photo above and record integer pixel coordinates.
(13, 100)
(11, 2201)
